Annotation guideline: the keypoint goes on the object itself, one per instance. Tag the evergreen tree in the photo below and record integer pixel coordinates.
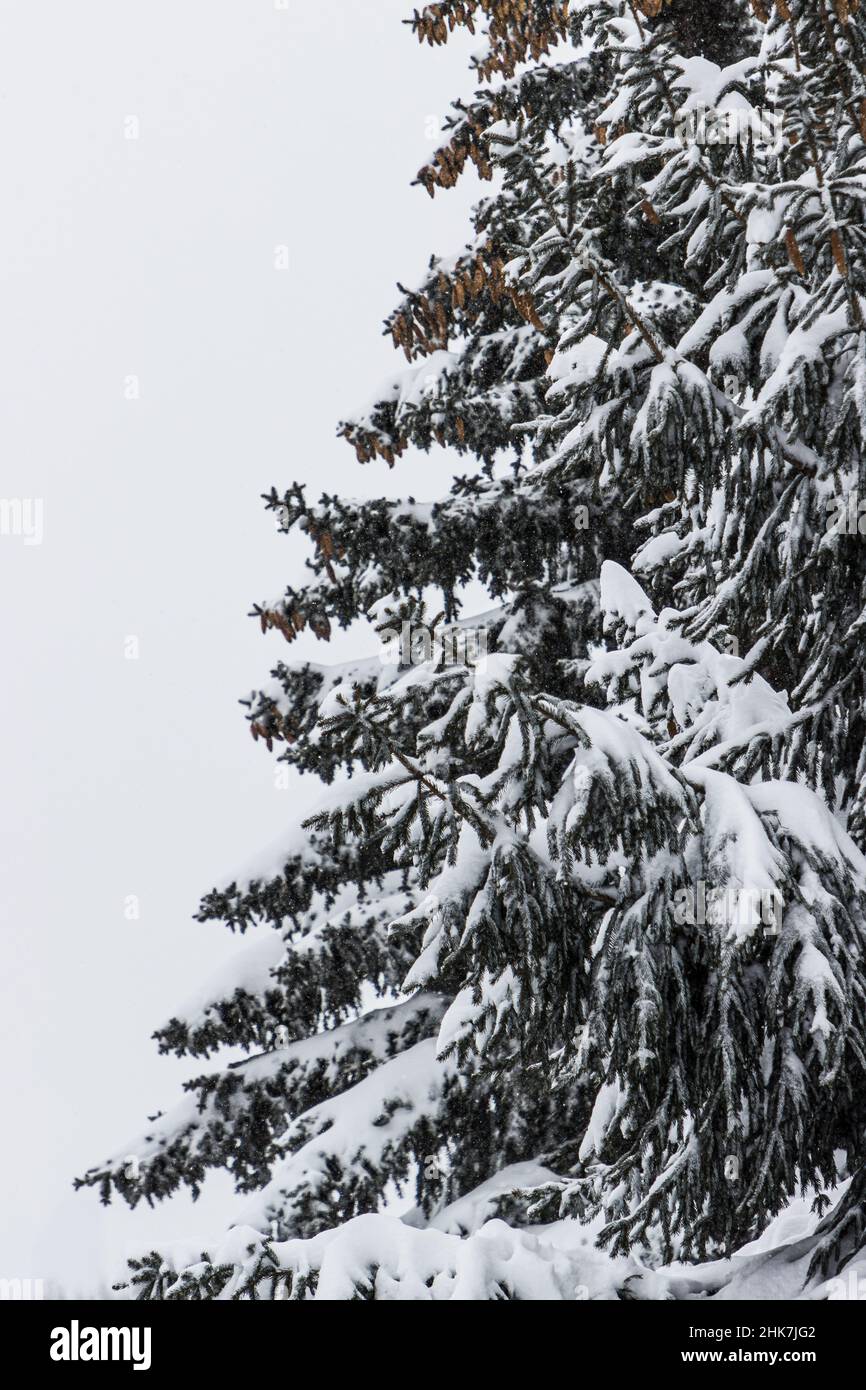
(593, 859)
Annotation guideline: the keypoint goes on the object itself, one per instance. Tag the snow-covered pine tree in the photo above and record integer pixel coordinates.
(746, 412)
(514, 862)
(749, 418)
(328, 901)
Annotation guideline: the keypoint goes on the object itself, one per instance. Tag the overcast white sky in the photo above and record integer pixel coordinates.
(258, 125)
